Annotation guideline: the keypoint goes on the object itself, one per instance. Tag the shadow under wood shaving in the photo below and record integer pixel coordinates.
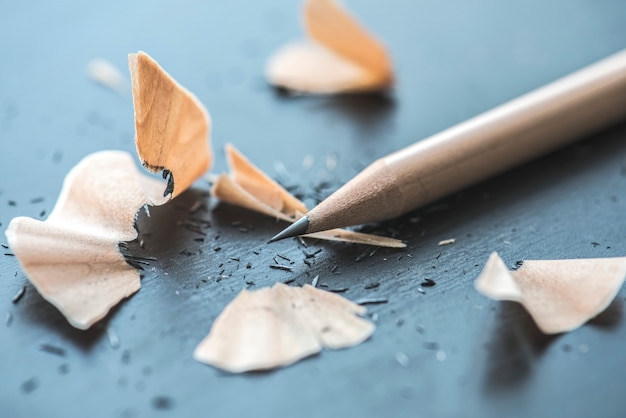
(369, 114)
(38, 312)
(514, 349)
(611, 317)
(517, 345)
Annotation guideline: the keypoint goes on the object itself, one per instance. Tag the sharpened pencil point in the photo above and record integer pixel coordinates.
(297, 228)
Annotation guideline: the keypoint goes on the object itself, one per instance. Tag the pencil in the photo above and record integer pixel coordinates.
(490, 143)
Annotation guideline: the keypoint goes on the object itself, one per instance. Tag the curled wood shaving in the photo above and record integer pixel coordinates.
(172, 126)
(560, 295)
(277, 326)
(343, 58)
(247, 186)
(72, 258)
(253, 180)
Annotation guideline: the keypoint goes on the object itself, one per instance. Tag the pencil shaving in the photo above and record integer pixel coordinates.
(72, 258)
(344, 235)
(107, 75)
(340, 57)
(330, 25)
(277, 326)
(259, 184)
(172, 126)
(446, 242)
(560, 295)
(249, 187)
(227, 190)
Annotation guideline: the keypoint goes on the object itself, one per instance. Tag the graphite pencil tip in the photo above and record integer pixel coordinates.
(297, 228)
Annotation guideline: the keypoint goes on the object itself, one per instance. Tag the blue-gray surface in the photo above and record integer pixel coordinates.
(460, 354)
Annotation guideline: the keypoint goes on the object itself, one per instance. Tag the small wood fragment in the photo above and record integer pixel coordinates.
(315, 280)
(107, 75)
(447, 242)
(371, 301)
(280, 267)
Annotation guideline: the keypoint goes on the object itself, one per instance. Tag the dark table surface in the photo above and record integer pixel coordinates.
(467, 355)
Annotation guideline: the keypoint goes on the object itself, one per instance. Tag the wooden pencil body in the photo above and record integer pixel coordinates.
(513, 133)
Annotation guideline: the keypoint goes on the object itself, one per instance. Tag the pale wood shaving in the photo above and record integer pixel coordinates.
(560, 295)
(447, 242)
(343, 235)
(277, 326)
(332, 26)
(106, 74)
(262, 194)
(225, 189)
(260, 185)
(309, 68)
(345, 57)
(72, 258)
(172, 126)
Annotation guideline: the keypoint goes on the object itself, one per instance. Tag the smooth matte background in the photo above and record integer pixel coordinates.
(445, 352)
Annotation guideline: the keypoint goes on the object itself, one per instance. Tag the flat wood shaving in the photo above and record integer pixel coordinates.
(277, 326)
(560, 295)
